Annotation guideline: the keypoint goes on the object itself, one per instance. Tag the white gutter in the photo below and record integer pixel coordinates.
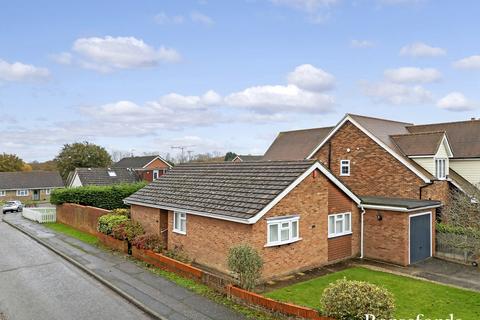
(399, 209)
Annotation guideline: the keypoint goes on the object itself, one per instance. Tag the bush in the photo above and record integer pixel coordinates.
(352, 300)
(121, 212)
(148, 241)
(106, 197)
(107, 222)
(178, 253)
(127, 230)
(246, 263)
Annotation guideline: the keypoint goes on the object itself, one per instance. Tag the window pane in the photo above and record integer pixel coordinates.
(294, 229)
(339, 226)
(183, 225)
(177, 221)
(331, 224)
(284, 234)
(347, 222)
(273, 233)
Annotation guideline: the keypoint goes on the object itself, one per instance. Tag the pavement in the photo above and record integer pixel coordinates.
(37, 284)
(151, 293)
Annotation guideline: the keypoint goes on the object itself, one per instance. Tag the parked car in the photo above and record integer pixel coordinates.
(12, 206)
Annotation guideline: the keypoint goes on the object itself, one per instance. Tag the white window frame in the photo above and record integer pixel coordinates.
(22, 193)
(439, 173)
(3, 193)
(339, 217)
(157, 172)
(48, 191)
(345, 164)
(279, 221)
(181, 216)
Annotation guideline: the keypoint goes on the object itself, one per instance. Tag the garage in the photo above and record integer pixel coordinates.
(420, 236)
(399, 231)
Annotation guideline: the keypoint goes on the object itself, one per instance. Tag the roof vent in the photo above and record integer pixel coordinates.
(112, 173)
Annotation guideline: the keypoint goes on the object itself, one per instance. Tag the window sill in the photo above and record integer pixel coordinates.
(339, 235)
(180, 232)
(344, 175)
(268, 245)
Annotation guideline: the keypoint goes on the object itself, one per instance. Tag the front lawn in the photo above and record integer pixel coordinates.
(412, 296)
(74, 233)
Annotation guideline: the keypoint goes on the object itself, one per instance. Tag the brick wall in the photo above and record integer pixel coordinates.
(438, 190)
(83, 218)
(12, 195)
(339, 248)
(373, 171)
(149, 218)
(207, 240)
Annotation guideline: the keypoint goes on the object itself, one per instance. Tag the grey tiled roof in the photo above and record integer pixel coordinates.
(30, 180)
(100, 176)
(419, 144)
(409, 204)
(134, 162)
(230, 189)
(249, 157)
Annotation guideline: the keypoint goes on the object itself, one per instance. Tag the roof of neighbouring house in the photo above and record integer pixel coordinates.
(463, 136)
(407, 204)
(419, 144)
(137, 162)
(104, 176)
(230, 190)
(295, 145)
(248, 157)
(30, 180)
(462, 183)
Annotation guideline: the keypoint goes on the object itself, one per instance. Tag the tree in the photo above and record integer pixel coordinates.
(49, 165)
(246, 263)
(11, 162)
(81, 155)
(229, 156)
(463, 210)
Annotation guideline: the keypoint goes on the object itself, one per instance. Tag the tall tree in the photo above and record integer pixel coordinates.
(81, 155)
(229, 156)
(11, 162)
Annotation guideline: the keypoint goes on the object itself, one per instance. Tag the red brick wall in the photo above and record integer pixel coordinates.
(83, 218)
(438, 190)
(339, 248)
(207, 240)
(149, 218)
(157, 164)
(373, 171)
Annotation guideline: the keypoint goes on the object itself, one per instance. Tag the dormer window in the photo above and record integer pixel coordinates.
(112, 173)
(441, 168)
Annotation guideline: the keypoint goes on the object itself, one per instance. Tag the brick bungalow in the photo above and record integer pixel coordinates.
(32, 185)
(149, 168)
(297, 214)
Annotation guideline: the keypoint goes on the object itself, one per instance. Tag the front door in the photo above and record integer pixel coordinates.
(420, 237)
(36, 195)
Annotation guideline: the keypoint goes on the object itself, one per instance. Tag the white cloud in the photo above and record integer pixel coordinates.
(355, 43)
(412, 75)
(201, 18)
(62, 58)
(310, 78)
(420, 49)
(278, 99)
(472, 62)
(108, 53)
(18, 71)
(305, 5)
(399, 2)
(397, 94)
(163, 18)
(455, 101)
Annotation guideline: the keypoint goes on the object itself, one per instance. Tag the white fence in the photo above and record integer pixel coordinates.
(41, 215)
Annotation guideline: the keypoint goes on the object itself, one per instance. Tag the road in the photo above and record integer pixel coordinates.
(37, 284)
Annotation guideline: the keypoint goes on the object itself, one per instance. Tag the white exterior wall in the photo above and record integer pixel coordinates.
(428, 163)
(76, 182)
(469, 169)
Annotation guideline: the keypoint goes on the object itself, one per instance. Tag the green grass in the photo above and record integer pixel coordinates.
(74, 233)
(412, 296)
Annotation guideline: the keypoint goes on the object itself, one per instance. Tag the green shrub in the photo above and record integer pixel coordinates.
(106, 197)
(178, 253)
(127, 230)
(352, 300)
(148, 241)
(107, 222)
(121, 212)
(246, 263)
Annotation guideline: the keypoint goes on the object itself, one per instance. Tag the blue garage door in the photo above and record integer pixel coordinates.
(420, 238)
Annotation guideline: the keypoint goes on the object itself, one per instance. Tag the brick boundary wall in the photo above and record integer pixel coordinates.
(83, 218)
(111, 242)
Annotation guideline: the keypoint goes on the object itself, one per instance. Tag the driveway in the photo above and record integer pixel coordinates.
(37, 284)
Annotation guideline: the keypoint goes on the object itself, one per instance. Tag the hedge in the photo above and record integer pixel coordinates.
(105, 197)
(446, 228)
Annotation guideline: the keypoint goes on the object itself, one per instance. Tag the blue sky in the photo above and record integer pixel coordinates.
(226, 75)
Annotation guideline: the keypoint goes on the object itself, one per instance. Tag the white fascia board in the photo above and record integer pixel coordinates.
(449, 149)
(378, 141)
(159, 158)
(398, 209)
(237, 157)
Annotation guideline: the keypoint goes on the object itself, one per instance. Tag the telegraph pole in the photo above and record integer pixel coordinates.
(183, 151)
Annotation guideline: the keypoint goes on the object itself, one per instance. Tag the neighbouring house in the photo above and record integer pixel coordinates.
(379, 157)
(249, 157)
(149, 168)
(297, 214)
(31, 185)
(101, 177)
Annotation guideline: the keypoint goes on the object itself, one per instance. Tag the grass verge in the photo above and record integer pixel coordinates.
(412, 296)
(74, 233)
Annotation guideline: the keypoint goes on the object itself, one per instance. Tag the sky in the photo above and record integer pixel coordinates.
(143, 76)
